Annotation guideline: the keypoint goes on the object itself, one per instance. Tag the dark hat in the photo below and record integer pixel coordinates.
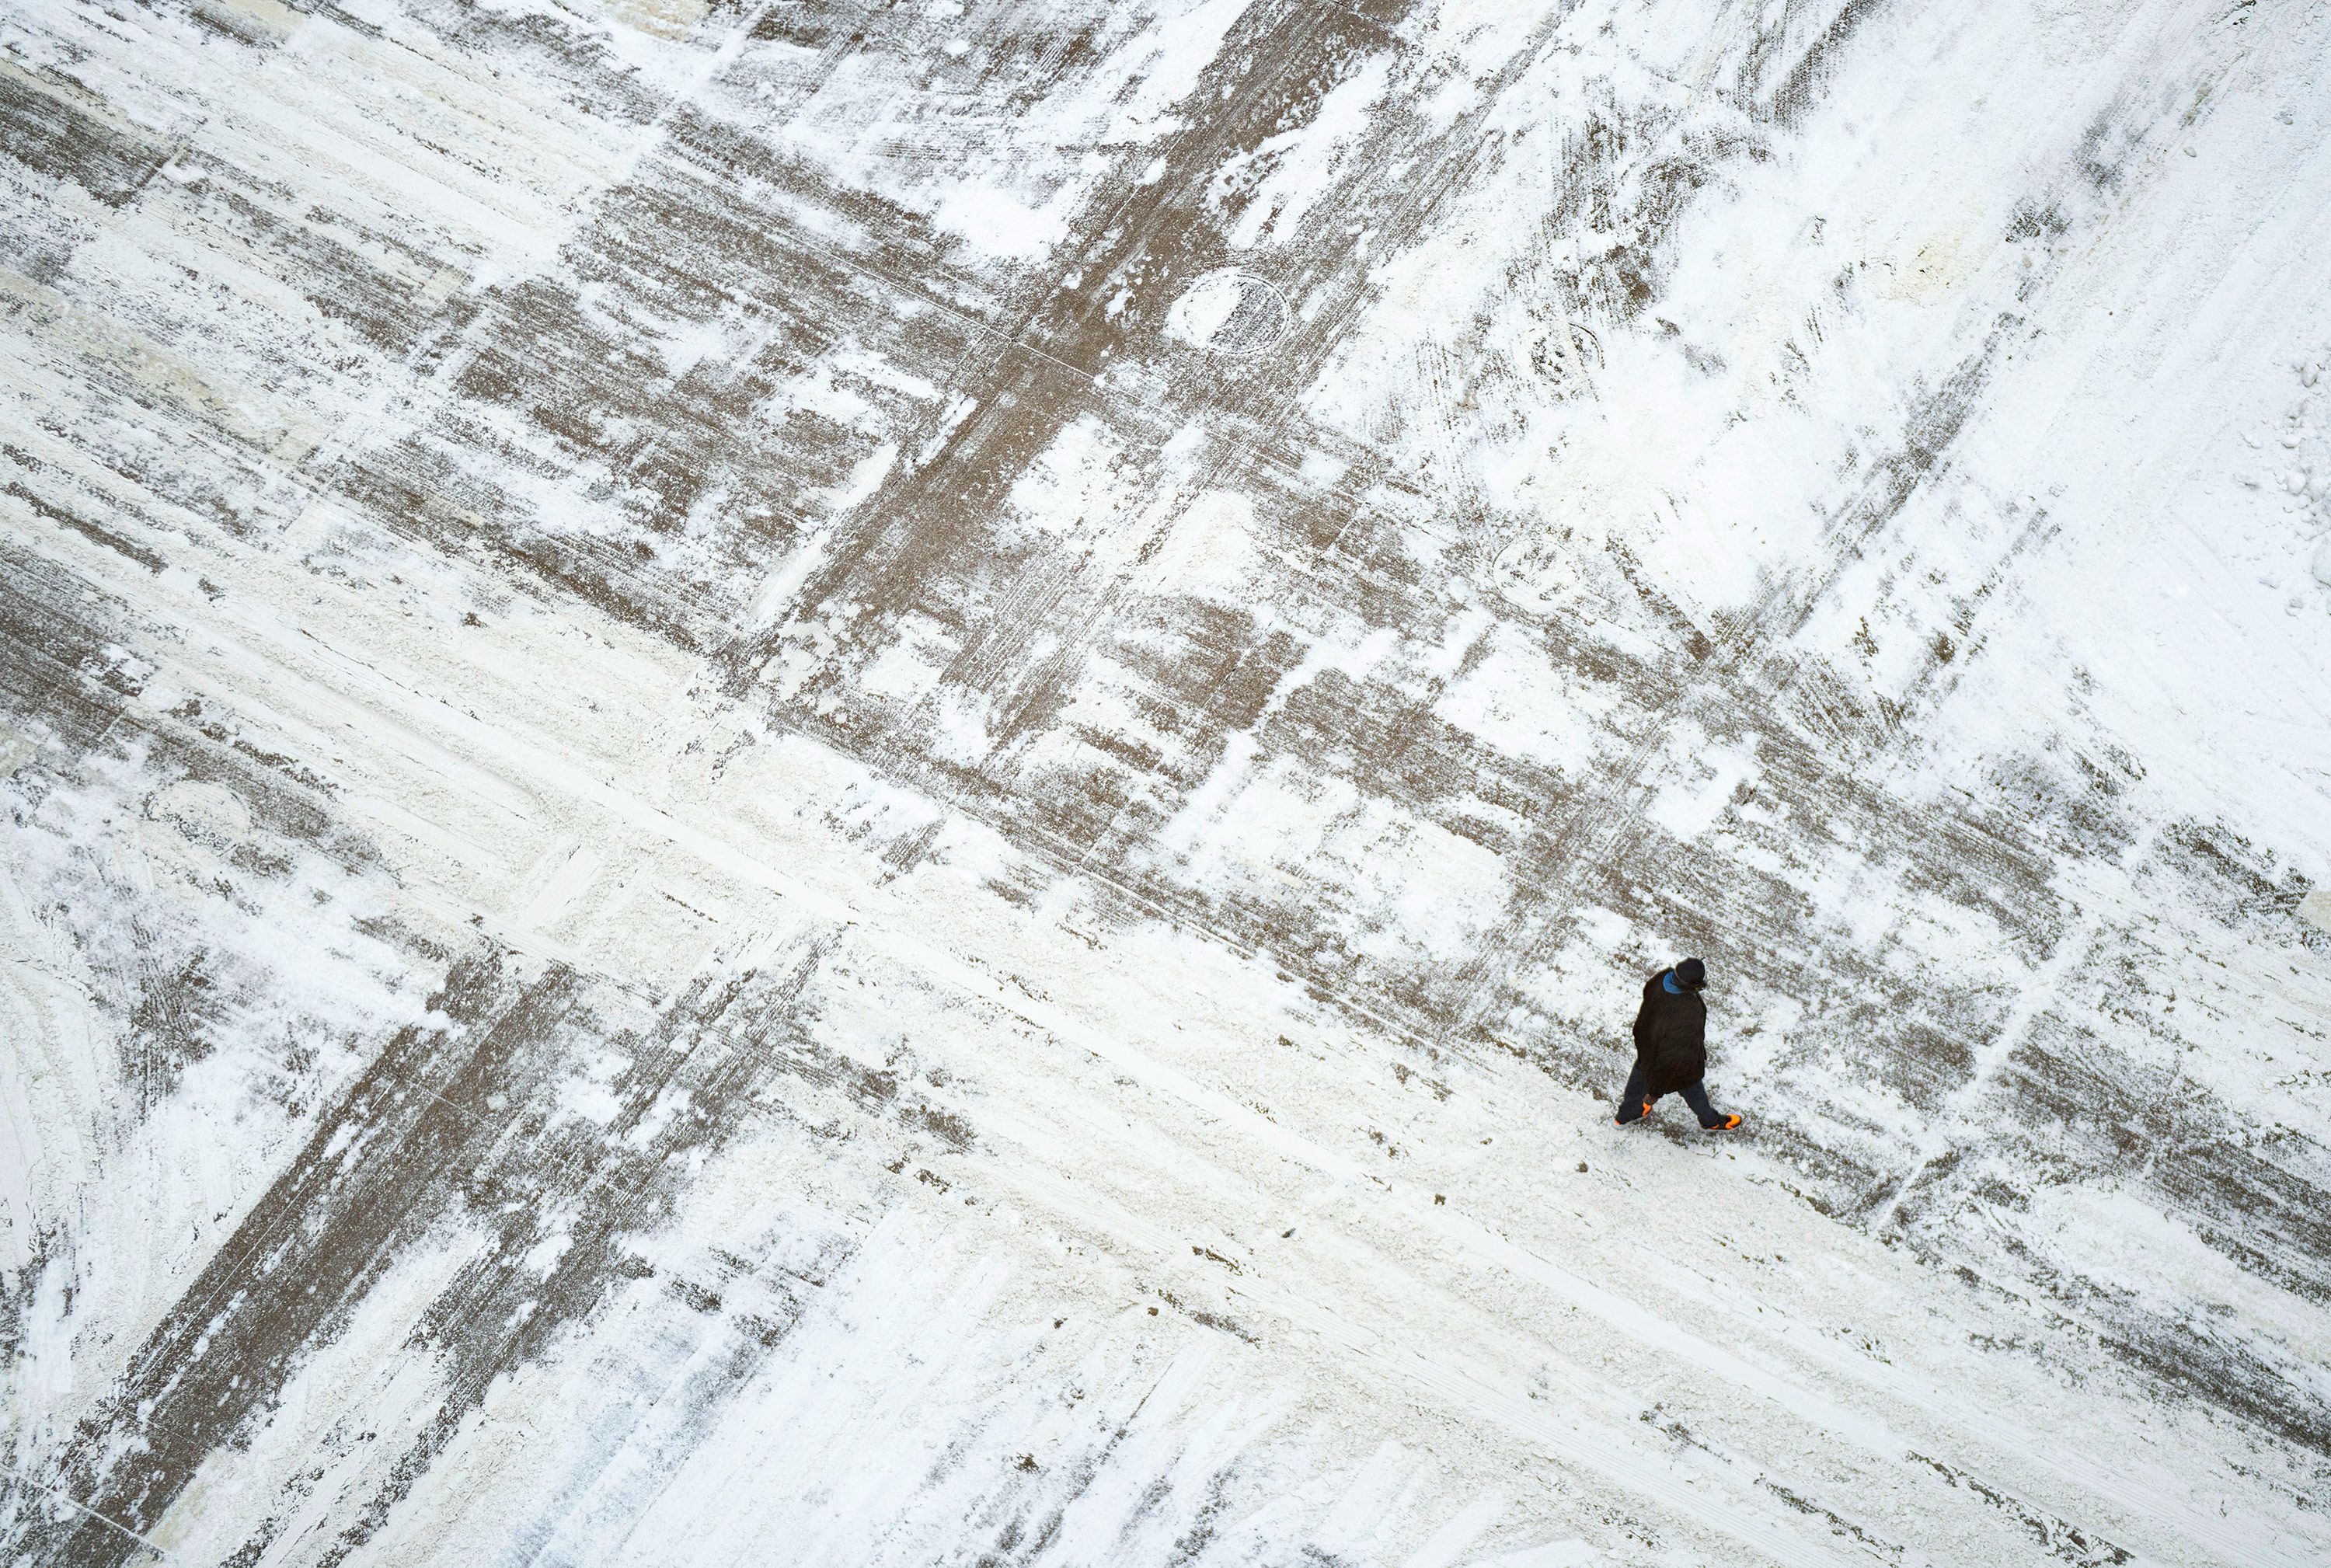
(1691, 974)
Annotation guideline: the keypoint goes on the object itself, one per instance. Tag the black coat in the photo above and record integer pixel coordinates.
(1670, 1038)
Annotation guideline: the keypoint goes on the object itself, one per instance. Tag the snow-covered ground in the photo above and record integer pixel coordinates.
(843, 784)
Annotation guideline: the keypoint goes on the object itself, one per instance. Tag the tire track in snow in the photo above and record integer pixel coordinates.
(889, 931)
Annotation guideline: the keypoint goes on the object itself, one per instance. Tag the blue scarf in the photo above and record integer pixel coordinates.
(1668, 980)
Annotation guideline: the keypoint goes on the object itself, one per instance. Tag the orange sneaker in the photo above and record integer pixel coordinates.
(1727, 1124)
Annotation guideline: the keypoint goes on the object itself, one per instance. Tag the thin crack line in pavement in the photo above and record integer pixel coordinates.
(73, 1502)
(2036, 997)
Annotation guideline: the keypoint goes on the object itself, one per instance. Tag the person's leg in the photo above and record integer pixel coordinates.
(1709, 1116)
(1694, 1095)
(1631, 1099)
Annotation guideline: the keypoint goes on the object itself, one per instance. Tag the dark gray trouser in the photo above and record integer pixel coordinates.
(1694, 1095)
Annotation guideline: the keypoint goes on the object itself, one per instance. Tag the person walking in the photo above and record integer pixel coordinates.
(1671, 1048)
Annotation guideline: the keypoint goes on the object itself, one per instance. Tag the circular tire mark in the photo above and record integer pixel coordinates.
(1538, 569)
(1230, 312)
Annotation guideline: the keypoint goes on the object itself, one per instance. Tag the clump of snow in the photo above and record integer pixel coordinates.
(1003, 226)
